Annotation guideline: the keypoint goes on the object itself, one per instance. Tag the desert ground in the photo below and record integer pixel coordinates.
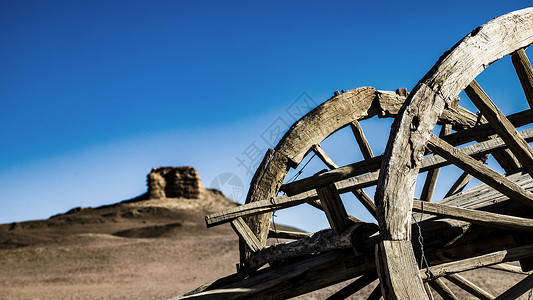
(138, 249)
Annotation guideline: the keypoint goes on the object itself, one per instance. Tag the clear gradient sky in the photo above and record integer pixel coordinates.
(96, 93)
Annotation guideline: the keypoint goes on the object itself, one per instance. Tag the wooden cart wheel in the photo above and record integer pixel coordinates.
(410, 140)
(303, 139)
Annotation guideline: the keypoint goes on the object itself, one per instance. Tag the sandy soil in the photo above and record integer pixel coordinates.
(152, 249)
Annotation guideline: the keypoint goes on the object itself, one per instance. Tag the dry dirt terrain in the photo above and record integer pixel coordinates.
(137, 249)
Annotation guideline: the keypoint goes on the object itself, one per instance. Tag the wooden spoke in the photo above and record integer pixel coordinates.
(359, 194)
(428, 291)
(480, 171)
(443, 290)
(509, 268)
(459, 185)
(431, 177)
(477, 262)
(474, 216)
(376, 293)
(354, 287)
(524, 72)
(323, 156)
(518, 289)
(468, 286)
(334, 209)
(361, 139)
(245, 234)
(501, 125)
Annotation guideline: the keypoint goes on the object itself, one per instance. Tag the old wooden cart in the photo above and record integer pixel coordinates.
(487, 226)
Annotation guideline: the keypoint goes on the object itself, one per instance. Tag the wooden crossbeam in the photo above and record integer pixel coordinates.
(518, 289)
(459, 184)
(480, 171)
(245, 234)
(283, 234)
(474, 216)
(442, 289)
(477, 262)
(428, 291)
(334, 209)
(376, 293)
(359, 193)
(525, 73)
(509, 268)
(433, 174)
(344, 186)
(501, 125)
(469, 287)
(361, 139)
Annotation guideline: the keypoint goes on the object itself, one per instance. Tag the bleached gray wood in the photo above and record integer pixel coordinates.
(246, 235)
(394, 272)
(501, 125)
(433, 174)
(525, 73)
(291, 235)
(474, 216)
(469, 287)
(480, 171)
(419, 114)
(376, 293)
(428, 291)
(324, 157)
(477, 262)
(334, 208)
(361, 139)
(518, 289)
(442, 289)
(323, 240)
(459, 185)
(509, 268)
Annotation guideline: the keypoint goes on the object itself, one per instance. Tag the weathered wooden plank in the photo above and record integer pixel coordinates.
(365, 201)
(442, 289)
(459, 185)
(518, 289)
(509, 268)
(469, 287)
(324, 156)
(334, 209)
(525, 73)
(290, 235)
(433, 174)
(323, 240)
(361, 139)
(480, 171)
(477, 262)
(396, 261)
(501, 125)
(474, 216)
(246, 235)
(354, 287)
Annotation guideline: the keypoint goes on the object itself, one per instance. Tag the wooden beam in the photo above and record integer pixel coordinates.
(509, 268)
(290, 235)
(477, 262)
(428, 291)
(396, 261)
(525, 73)
(354, 287)
(432, 175)
(334, 209)
(444, 291)
(469, 287)
(324, 156)
(480, 171)
(501, 125)
(376, 293)
(474, 216)
(246, 235)
(459, 185)
(518, 289)
(361, 139)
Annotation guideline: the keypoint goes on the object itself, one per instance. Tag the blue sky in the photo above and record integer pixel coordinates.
(96, 93)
